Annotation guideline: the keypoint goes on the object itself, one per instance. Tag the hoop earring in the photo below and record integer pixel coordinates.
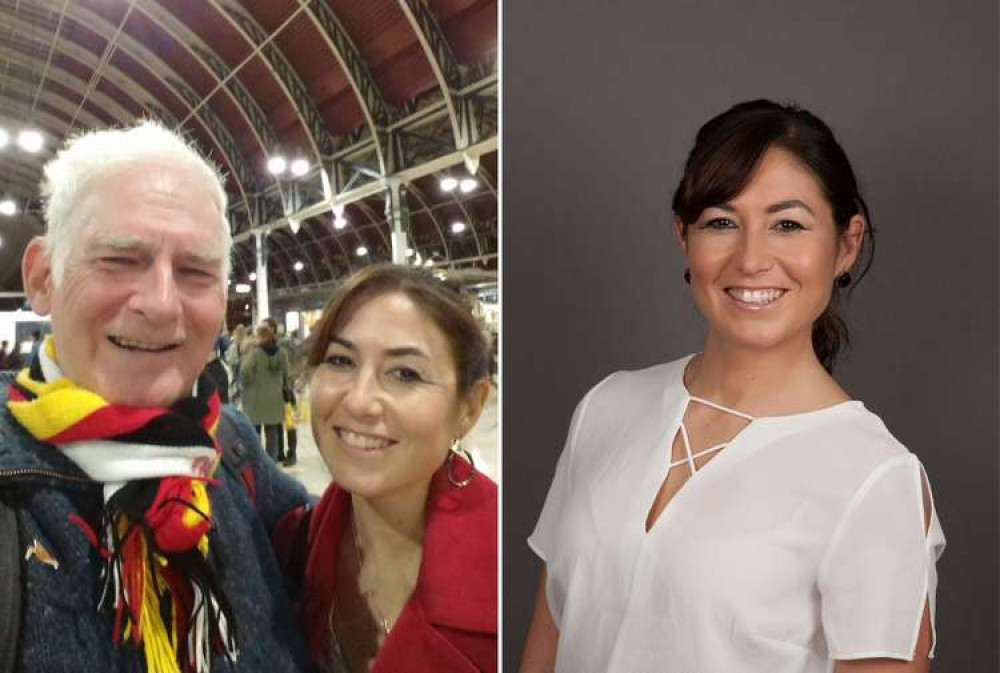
(844, 279)
(687, 276)
(458, 450)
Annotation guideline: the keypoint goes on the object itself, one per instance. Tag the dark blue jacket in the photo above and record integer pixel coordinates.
(62, 629)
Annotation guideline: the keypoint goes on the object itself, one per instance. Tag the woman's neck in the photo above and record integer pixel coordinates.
(763, 382)
(391, 528)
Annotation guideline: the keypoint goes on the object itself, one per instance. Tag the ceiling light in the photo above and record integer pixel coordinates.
(457, 227)
(449, 183)
(468, 184)
(339, 222)
(252, 276)
(299, 167)
(409, 252)
(246, 307)
(4, 138)
(298, 266)
(30, 141)
(8, 207)
(361, 251)
(277, 165)
(242, 288)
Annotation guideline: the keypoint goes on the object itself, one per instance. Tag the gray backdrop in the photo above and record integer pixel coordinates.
(601, 101)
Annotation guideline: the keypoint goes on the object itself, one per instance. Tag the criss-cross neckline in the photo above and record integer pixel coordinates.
(686, 440)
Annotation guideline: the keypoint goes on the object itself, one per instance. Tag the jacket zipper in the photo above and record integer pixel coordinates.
(48, 474)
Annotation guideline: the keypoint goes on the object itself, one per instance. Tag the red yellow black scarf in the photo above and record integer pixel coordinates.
(156, 465)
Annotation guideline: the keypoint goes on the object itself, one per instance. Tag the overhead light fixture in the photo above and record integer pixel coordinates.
(252, 276)
(299, 167)
(298, 266)
(242, 288)
(294, 224)
(448, 184)
(468, 185)
(30, 140)
(4, 138)
(361, 251)
(277, 165)
(246, 307)
(339, 222)
(8, 207)
(457, 227)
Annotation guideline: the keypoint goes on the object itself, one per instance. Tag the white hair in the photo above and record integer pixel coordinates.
(93, 155)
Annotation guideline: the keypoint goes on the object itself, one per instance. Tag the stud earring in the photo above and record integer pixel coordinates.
(687, 276)
(844, 279)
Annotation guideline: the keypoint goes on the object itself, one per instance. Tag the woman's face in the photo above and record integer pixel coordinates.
(385, 400)
(763, 264)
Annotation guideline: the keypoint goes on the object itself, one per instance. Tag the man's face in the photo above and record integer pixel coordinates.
(143, 295)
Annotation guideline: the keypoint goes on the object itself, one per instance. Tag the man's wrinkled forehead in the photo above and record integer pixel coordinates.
(112, 241)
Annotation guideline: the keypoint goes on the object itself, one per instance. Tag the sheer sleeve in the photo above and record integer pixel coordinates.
(543, 539)
(879, 569)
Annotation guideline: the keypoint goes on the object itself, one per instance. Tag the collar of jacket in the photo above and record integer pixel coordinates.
(457, 581)
(25, 458)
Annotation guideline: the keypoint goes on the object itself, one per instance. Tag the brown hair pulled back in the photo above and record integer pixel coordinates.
(444, 304)
(727, 151)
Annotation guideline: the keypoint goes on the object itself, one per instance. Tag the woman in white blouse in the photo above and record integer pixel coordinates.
(736, 511)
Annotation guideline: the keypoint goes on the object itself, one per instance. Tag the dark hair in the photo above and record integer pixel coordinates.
(727, 151)
(444, 304)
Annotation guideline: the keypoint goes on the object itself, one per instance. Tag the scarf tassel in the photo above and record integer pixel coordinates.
(169, 604)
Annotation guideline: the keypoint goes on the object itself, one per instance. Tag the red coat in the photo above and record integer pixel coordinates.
(449, 623)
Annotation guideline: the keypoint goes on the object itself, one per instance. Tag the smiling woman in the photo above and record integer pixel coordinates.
(400, 553)
(736, 510)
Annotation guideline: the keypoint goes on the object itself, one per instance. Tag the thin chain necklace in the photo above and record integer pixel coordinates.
(370, 594)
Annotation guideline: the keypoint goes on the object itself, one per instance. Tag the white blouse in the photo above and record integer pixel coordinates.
(800, 543)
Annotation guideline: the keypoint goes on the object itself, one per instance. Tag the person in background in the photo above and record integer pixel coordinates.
(217, 370)
(36, 342)
(232, 359)
(4, 353)
(140, 551)
(263, 372)
(290, 346)
(400, 554)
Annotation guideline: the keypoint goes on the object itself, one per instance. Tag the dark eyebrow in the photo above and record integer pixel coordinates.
(790, 203)
(773, 208)
(392, 352)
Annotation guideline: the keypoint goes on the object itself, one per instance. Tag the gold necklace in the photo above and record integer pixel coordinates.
(370, 594)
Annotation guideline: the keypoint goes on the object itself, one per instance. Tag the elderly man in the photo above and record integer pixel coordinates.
(141, 552)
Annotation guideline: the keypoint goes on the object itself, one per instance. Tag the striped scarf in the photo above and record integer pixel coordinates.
(159, 576)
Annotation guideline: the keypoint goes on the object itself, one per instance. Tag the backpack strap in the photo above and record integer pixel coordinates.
(10, 587)
(237, 458)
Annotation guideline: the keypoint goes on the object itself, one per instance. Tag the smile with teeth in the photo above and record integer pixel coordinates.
(755, 297)
(363, 442)
(132, 345)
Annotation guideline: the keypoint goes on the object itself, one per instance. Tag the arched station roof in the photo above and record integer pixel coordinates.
(369, 92)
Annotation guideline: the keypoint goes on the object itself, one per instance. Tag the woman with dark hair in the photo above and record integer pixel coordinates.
(398, 560)
(736, 510)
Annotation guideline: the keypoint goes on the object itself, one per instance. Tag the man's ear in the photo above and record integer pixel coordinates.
(36, 274)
